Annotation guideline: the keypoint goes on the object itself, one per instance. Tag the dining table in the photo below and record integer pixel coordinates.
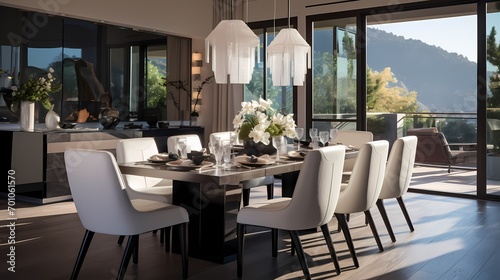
(212, 198)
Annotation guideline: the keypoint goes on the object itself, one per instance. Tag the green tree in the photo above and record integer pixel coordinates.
(493, 57)
(156, 92)
(383, 95)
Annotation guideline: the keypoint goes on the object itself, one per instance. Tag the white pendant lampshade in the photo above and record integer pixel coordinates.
(233, 52)
(288, 57)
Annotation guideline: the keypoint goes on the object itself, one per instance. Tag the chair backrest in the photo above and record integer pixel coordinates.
(193, 141)
(98, 191)
(432, 147)
(366, 179)
(137, 149)
(317, 189)
(354, 138)
(399, 167)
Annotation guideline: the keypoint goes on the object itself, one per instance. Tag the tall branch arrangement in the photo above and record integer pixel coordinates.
(182, 85)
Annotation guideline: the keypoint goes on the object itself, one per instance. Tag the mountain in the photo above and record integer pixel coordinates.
(444, 81)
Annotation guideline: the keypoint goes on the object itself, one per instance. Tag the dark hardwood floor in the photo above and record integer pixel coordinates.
(454, 238)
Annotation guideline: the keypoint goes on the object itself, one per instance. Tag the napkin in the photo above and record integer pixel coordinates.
(159, 157)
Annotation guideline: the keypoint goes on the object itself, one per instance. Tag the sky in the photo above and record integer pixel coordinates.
(456, 35)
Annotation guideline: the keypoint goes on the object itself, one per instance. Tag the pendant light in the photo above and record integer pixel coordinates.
(288, 56)
(233, 45)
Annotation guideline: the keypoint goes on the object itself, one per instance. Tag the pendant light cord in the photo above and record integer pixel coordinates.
(246, 12)
(274, 18)
(288, 13)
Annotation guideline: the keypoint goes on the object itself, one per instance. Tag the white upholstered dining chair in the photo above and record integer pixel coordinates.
(363, 189)
(355, 139)
(312, 205)
(141, 149)
(397, 178)
(193, 143)
(149, 188)
(103, 206)
(246, 185)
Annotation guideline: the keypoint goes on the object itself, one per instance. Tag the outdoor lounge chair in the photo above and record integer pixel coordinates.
(433, 149)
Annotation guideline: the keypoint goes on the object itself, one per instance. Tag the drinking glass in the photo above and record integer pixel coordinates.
(314, 141)
(313, 132)
(182, 147)
(333, 134)
(278, 142)
(300, 133)
(226, 151)
(323, 137)
(216, 149)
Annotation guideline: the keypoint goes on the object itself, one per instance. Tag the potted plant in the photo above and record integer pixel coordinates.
(194, 113)
(36, 89)
(183, 87)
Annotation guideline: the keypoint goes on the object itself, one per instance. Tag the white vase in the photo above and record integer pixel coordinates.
(52, 119)
(27, 116)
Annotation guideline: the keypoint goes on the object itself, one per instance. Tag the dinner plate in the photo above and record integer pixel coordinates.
(159, 158)
(295, 155)
(261, 161)
(187, 164)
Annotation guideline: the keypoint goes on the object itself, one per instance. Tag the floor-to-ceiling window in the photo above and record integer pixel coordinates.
(493, 98)
(422, 72)
(334, 74)
(423, 69)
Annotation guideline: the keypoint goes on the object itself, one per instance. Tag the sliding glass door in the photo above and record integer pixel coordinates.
(334, 74)
(493, 98)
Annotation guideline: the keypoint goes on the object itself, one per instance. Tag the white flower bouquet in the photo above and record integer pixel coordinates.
(257, 121)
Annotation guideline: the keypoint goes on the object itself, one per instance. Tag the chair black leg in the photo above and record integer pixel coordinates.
(347, 235)
(270, 191)
(300, 253)
(120, 239)
(154, 231)
(162, 235)
(129, 249)
(246, 197)
(383, 213)
(329, 244)
(87, 238)
(240, 232)
(183, 238)
(135, 254)
(166, 233)
(274, 233)
(368, 215)
(347, 218)
(405, 213)
(292, 247)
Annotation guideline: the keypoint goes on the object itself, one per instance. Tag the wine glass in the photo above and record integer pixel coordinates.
(323, 137)
(278, 142)
(313, 132)
(300, 133)
(333, 134)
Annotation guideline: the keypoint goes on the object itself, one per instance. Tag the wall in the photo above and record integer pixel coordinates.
(184, 18)
(194, 19)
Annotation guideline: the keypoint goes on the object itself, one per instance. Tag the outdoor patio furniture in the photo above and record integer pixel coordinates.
(433, 149)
